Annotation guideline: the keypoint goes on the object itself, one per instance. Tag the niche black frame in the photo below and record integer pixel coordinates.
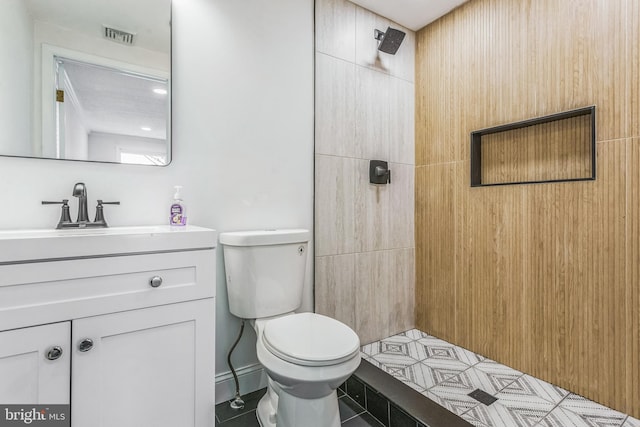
(476, 145)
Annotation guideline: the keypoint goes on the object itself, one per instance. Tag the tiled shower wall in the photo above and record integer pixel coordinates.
(364, 233)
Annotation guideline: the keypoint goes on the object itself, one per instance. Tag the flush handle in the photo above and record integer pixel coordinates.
(54, 353)
(155, 281)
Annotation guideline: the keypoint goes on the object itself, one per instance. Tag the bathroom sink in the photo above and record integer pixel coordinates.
(20, 245)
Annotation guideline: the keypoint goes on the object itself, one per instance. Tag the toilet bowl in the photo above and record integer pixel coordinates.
(306, 356)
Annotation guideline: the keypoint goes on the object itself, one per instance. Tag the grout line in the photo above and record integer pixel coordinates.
(366, 252)
(360, 158)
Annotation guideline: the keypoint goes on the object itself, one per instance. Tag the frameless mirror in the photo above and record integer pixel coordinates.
(86, 80)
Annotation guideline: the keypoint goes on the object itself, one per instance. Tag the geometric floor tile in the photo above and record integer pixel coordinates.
(490, 382)
(435, 348)
(500, 373)
(395, 360)
(631, 422)
(592, 413)
(560, 417)
(414, 334)
(527, 408)
(532, 387)
(445, 368)
(446, 373)
(454, 400)
(424, 376)
(470, 416)
(500, 415)
(392, 345)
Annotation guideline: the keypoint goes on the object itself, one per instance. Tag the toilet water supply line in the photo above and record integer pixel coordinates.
(237, 402)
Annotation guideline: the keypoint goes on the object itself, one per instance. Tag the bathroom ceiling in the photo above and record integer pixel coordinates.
(412, 14)
(145, 18)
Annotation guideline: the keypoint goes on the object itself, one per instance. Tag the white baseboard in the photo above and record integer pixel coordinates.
(250, 378)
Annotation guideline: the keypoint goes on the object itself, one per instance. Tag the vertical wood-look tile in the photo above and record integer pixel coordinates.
(632, 296)
(334, 206)
(335, 106)
(493, 263)
(401, 206)
(372, 295)
(401, 122)
(437, 99)
(336, 28)
(401, 292)
(372, 114)
(436, 206)
(541, 272)
(335, 289)
(633, 70)
(372, 209)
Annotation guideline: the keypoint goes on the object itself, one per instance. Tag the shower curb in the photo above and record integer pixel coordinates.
(394, 403)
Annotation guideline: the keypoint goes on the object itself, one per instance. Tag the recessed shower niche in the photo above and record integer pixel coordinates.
(554, 148)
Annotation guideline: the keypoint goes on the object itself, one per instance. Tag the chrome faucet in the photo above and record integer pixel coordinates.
(80, 191)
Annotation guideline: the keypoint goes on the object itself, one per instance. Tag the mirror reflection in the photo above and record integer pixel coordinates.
(86, 80)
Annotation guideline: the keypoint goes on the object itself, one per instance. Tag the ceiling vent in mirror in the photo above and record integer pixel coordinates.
(118, 36)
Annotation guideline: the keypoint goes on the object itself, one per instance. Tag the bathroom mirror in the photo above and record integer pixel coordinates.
(86, 80)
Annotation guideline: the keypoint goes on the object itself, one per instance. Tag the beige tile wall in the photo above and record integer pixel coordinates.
(364, 270)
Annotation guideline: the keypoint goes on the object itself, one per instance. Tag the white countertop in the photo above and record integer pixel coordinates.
(36, 245)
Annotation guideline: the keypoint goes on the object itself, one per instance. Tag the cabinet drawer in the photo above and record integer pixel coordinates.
(45, 292)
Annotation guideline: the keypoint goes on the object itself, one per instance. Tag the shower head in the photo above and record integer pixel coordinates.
(390, 41)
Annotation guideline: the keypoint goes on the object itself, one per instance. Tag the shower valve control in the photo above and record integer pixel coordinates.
(379, 172)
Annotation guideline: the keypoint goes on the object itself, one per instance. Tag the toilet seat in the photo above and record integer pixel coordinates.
(310, 339)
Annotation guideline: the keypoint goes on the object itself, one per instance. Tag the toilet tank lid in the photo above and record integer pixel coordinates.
(265, 237)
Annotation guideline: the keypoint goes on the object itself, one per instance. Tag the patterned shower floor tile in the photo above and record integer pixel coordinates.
(511, 412)
(631, 422)
(534, 388)
(446, 374)
(591, 412)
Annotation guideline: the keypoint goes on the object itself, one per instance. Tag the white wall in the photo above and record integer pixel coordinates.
(106, 147)
(15, 78)
(243, 140)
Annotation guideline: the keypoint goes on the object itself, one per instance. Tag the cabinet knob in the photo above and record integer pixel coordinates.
(54, 353)
(155, 281)
(85, 345)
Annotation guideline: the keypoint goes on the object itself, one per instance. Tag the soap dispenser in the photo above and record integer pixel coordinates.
(177, 213)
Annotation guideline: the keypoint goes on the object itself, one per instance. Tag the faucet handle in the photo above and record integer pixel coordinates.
(65, 216)
(100, 212)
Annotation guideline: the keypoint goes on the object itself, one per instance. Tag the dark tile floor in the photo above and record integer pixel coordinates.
(352, 414)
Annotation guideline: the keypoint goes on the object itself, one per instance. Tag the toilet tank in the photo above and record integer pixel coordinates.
(265, 271)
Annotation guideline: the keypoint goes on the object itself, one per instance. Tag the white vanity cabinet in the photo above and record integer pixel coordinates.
(134, 325)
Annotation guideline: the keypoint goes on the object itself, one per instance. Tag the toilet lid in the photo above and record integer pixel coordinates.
(310, 339)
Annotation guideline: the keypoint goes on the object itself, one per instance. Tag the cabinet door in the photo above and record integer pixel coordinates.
(28, 375)
(151, 367)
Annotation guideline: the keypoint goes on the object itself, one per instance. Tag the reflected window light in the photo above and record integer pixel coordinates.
(160, 91)
(143, 159)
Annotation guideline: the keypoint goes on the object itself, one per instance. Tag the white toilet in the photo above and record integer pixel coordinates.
(306, 355)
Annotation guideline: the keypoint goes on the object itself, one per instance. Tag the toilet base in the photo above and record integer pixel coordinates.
(281, 409)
